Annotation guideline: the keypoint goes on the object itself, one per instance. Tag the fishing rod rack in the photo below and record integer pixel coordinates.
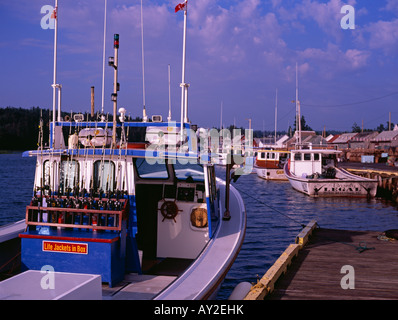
(78, 213)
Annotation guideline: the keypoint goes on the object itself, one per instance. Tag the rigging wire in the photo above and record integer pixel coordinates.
(350, 104)
(270, 207)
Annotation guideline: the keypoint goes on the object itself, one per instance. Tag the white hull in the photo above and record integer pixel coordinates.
(344, 185)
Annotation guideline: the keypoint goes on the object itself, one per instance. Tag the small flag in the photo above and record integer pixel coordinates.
(181, 6)
(54, 14)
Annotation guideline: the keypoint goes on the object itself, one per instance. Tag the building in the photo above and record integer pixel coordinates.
(342, 141)
(362, 140)
(385, 140)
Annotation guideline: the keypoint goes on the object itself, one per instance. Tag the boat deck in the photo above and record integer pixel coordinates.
(158, 275)
(316, 272)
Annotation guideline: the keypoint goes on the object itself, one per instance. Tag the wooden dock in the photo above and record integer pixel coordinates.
(331, 260)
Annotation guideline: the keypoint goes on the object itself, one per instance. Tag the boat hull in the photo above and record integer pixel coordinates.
(271, 173)
(348, 185)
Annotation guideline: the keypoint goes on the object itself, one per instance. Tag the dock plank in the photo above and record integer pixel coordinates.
(316, 272)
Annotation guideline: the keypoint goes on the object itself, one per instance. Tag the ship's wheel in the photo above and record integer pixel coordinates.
(169, 210)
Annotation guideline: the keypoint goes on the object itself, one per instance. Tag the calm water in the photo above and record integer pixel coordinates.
(275, 213)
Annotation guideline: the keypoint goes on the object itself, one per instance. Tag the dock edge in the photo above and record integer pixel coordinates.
(266, 284)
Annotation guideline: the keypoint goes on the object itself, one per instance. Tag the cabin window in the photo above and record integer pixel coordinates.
(69, 175)
(104, 175)
(46, 173)
(307, 156)
(297, 156)
(262, 155)
(147, 170)
(189, 171)
(316, 156)
(46, 178)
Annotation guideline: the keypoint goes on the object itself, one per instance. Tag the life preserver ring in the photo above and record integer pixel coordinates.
(199, 218)
(169, 210)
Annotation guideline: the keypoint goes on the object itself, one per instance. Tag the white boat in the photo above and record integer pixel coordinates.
(269, 164)
(150, 218)
(314, 172)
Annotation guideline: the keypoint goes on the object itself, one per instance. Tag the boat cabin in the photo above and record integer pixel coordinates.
(307, 162)
(119, 208)
(271, 159)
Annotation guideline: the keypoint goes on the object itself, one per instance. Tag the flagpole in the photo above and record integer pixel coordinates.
(183, 85)
(54, 85)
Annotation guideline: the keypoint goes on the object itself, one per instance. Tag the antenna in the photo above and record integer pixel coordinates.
(276, 110)
(103, 64)
(221, 117)
(144, 116)
(169, 117)
(298, 117)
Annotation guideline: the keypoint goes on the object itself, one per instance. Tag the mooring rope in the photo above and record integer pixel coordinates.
(272, 208)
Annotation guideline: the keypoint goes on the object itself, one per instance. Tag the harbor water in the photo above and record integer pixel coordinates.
(275, 215)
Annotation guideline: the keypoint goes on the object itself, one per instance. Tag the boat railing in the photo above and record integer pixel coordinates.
(99, 218)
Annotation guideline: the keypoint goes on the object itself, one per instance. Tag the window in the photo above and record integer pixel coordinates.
(147, 170)
(104, 175)
(46, 179)
(297, 156)
(46, 173)
(316, 156)
(190, 171)
(69, 174)
(307, 156)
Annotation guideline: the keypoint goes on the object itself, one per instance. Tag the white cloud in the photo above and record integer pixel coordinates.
(383, 35)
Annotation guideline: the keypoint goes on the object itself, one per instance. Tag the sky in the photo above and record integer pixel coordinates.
(241, 57)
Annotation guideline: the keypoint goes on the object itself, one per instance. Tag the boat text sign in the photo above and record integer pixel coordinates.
(66, 247)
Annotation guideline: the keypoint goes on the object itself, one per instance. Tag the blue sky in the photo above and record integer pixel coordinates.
(238, 53)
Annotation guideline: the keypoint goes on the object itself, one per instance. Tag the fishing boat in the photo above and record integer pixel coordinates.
(270, 162)
(313, 172)
(148, 216)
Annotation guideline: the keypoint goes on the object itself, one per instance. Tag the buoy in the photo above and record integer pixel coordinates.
(240, 291)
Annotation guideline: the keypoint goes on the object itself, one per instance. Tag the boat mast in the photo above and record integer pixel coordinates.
(54, 85)
(144, 116)
(169, 117)
(115, 85)
(276, 110)
(184, 86)
(298, 116)
(103, 63)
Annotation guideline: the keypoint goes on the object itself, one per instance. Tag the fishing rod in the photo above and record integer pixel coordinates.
(92, 175)
(125, 164)
(83, 181)
(99, 188)
(68, 162)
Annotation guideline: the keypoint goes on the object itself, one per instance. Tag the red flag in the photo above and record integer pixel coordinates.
(181, 6)
(54, 14)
